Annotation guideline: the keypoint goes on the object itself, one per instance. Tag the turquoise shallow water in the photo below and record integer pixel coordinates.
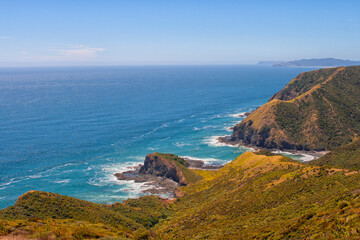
(68, 130)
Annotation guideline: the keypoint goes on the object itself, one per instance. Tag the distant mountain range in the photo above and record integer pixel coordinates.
(321, 62)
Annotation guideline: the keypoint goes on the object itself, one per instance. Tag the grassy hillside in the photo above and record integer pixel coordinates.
(34, 209)
(64, 229)
(347, 157)
(258, 196)
(316, 110)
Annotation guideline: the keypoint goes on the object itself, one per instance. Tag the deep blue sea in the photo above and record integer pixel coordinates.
(68, 130)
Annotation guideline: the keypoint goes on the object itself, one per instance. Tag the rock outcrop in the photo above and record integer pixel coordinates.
(158, 165)
(164, 172)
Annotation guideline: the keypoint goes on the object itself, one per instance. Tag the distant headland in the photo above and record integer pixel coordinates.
(320, 62)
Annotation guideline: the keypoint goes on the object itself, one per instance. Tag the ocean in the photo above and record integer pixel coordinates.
(68, 130)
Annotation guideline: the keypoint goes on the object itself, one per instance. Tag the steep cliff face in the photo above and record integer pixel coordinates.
(317, 110)
(157, 164)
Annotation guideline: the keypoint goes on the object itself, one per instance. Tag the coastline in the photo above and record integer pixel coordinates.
(166, 187)
(307, 155)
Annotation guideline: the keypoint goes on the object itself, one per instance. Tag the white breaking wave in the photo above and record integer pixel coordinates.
(180, 144)
(206, 127)
(214, 141)
(133, 188)
(301, 156)
(105, 176)
(306, 157)
(164, 139)
(217, 116)
(229, 129)
(205, 160)
(237, 115)
(62, 181)
(139, 158)
(154, 130)
(45, 173)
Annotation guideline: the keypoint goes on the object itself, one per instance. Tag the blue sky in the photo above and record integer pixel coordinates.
(133, 32)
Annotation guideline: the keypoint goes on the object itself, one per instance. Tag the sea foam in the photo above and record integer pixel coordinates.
(62, 181)
(300, 156)
(206, 160)
(237, 115)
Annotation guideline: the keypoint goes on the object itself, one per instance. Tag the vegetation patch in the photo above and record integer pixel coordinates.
(280, 200)
(347, 157)
(59, 215)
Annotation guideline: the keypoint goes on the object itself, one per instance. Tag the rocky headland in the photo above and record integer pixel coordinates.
(165, 173)
(316, 111)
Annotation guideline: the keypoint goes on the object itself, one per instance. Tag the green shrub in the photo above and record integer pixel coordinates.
(4, 230)
(343, 204)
